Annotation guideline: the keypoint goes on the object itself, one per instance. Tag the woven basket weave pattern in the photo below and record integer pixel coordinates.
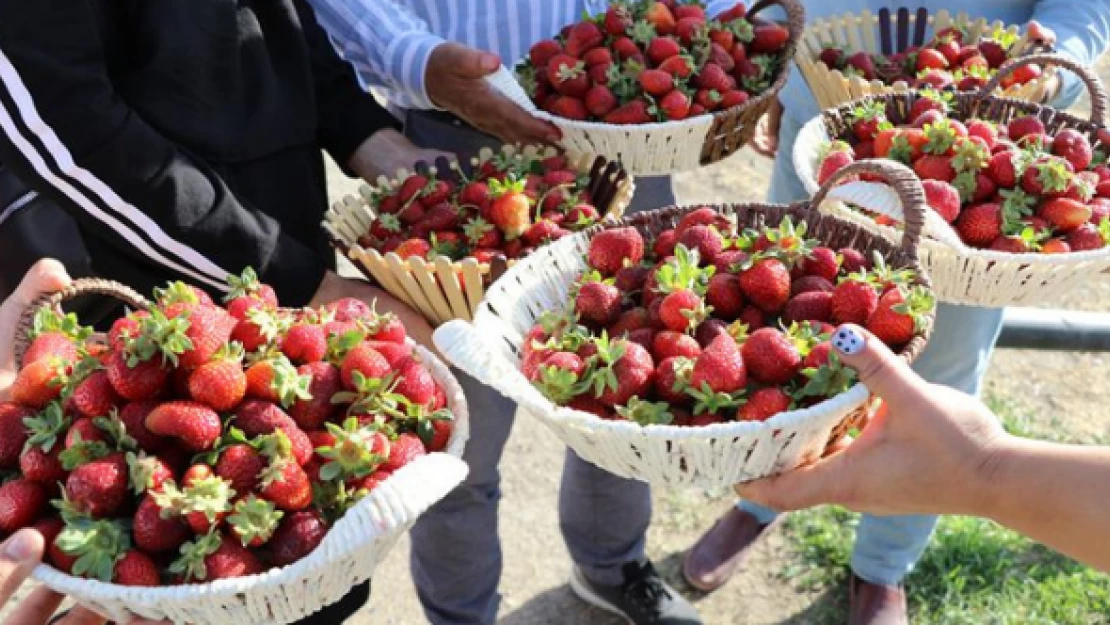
(960, 274)
(884, 33)
(713, 456)
(346, 557)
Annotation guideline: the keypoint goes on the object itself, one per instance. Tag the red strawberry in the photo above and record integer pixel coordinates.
(705, 239)
(1065, 214)
(326, 381)
(672, 379)
(405, 449)
(625, 370)
(656, 82)
(725, 295)
(1074, 147)
(764, 404)
(209, 329)
(900, 315)
(48, 345)
(862, 64)
(807, 284)
(1024, 126)
(598, 303)
(600, 101)
(21, 503)
(568, 75)
(1001, 170)
(253, 521)
(929, 58)
(240, 465)
(661, 17)
(935, 167)
(99, 488)
(94, 396)
(675, 105)
(853, 301)
(981, 224)
(141, 381)
(259, 418)
(821, 262)
(617, 20)
(286, 484)
(38, 383)
(770, 356)
(13, 433)
(135, 568)
(838, 155)
(625, 48)
(583, 36)
(766, 284)
(366, 361)
(415, 383)
(215, 556)
(720, 367)
(942, 198)
(158, 528)
(197, 426)
(809, 306)
(611, 249)
(297, 536)
(542, 51)
(1089, 237)
(511, 208)
(682, 310)
(133, 417)
(768, 38)
(304, 342)
(662, 48)
(818, 355)
(44, 467)
(634, 112)
(570, 108)
(220, 383)
(668, 344)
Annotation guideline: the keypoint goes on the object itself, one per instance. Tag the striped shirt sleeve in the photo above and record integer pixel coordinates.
(388, 45)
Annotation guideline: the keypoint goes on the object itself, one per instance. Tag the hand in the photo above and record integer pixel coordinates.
(930, 449)
(46, 276)
(766, 140)
(18, 557)
(334, 287)
(455, 81)
(386, 151)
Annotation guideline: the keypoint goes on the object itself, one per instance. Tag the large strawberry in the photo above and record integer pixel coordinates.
(610, 250)
(220, 383)
(99, 488)
(326, 381)
(510, 209)
(13, 433)
(901, 315)
(54, 336)
(770, 356)
(209, 329)
(274, 379)
(197, 426)
(624, 370)
(766, 284)
(854, 300)
(158, 527)
(720, 367)
(283, 481)
(764, 404)
(215, 556)
(21, 503)
(297, 536)
(258, 418)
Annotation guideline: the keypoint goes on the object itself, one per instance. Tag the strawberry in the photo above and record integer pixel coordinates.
(979, 225)
(853, 300)
(600, 101)
(38, 383)
(662, 48)
(283, 481)
(568, 75)
(570, 108)
(13, 433)
(304, 343)
(135, 568)
(253, 521)
(624, 370)
(1047, 177)
(669, 344)
(935, 167)
(617, 21)
(1002, 170)
(54, 336)
(197, 426)
(768, 38)
(94, 396)
(413, 248)
(258, 418)
(862, 64)
(1074, 147)
(821, 262)
(21, 503)
(900, 315)
(598, 303)
(866, 120)
(157, 526)
(764, 404)
(703, 238)
(99, 488)
(543, 50)
(247, 285)
(672, 378)
(656, 82)
(770, 356)
(511, 208)
(239, 466)
(809, 306)
(766, 284)
(1089, 237)
(612, 249)
(364, 360)
(275, 380)
(634, 112)
(1055, 246)
(942, 198)
(583, 36)
(220, 383)
(1021, 127)
(837, 156)
(326, 381)
(929, 58)
(415, 383)
(682, 310)
(661, 18)
(297, 536)
(51, 345)
(681, 67)
(208, 329)
(133, 416)
(675, 105)
(212, 557)
(403, 450)
(625, 48)
(1065, 214)
(148, 473)
(725, 295)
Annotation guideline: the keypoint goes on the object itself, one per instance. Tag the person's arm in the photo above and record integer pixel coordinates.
(68, 134)
(390, 47)
(934, 450)
(1082, 33)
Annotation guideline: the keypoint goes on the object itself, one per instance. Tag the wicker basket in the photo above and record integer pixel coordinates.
(664, 148)
(961, 274)
(712, 456)
(441, 289)
(346, 557)
(887, 33)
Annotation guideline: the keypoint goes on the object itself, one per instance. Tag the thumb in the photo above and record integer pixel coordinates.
(884, 373)
(807, 486)
(45, 276)
(470, 62)
(18, 555)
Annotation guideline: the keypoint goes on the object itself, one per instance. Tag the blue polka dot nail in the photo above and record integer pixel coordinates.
(848, 341)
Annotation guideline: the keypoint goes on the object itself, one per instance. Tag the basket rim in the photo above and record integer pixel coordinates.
(843, 403)
(818, 126)
(277, 576)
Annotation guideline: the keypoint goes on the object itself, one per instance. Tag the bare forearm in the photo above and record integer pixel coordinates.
(1056, 494)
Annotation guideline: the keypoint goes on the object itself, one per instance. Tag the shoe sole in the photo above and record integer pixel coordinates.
(582, 589)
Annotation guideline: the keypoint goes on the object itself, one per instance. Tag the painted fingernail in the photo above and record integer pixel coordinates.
(848, 341)
(21, 546)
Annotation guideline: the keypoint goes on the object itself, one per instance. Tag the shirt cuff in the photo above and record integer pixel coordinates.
(408, 61)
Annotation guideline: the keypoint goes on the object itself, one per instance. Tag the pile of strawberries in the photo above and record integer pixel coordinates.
(512, 206)
(198, 443)
(1010, 188)
(642, 62)
(944, 62)
(707, 323)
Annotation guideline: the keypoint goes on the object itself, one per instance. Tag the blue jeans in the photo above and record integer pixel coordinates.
(887, 547)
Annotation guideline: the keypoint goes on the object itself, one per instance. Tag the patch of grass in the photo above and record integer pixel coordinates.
(974, 571)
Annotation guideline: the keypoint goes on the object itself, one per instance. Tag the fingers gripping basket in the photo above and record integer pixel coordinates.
(346, 557)
(888, 32)
(962, 274)
(664, 148)
(712, 456)
(441, 289)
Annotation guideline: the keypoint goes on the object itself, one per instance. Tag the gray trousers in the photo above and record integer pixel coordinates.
(456, 553)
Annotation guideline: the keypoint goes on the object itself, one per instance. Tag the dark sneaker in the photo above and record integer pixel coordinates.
(644, 598)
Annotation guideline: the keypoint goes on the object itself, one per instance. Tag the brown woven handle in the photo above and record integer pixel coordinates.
(904, 182)
(79, 287)
(1094, 85)
(795, 17)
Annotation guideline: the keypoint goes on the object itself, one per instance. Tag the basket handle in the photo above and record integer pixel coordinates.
(795, 15)
(1094, 85)
(904, 182)
(79, 287)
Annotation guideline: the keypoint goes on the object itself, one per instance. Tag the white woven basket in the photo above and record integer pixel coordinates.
(663, 148)
(875, 33)
(441, 289)
(960, 274)
(346, 557)
(713, 456)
